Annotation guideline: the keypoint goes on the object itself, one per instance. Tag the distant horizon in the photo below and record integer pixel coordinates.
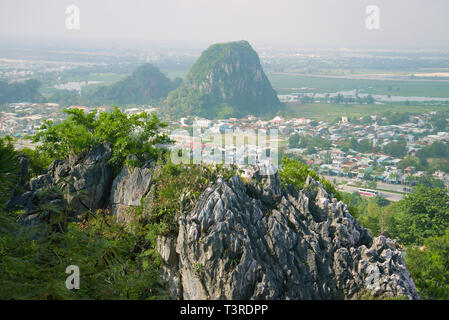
(61, 43)
(282, 24)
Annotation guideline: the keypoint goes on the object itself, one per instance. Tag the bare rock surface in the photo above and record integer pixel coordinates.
(129, 187)
(250, 239)
(255, 241)
(84, 182)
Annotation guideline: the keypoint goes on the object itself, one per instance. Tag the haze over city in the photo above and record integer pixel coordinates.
(292, 23)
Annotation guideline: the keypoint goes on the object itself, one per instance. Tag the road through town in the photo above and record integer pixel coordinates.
(392, 192)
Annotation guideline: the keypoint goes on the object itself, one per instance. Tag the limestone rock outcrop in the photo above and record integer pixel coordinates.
(244, 239)
(302, 245)
(84, 182)
(129, 187)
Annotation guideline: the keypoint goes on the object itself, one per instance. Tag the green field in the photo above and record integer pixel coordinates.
(285, 83)
(172, 74)
(329, 112)
(106, 78)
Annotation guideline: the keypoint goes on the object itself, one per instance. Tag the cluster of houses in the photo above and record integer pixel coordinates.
(373, 165)
(22, 119)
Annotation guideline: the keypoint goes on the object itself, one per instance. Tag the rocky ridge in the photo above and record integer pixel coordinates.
(83, 182)
(246, 238)
(298, 245)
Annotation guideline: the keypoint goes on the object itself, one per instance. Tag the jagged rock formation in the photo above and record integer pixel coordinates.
(84, 181)
(297, 245)
(242, 240)
(226, 80)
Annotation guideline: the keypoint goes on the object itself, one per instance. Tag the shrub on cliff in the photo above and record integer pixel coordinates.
(128, 135)
(9, 168)
(112, 260)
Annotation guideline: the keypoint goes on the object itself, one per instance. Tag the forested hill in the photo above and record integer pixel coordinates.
(20, 91)
(226, 80)
(146, 84)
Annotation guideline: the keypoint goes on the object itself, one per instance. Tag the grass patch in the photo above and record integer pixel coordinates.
(285, 83)
(329, 112)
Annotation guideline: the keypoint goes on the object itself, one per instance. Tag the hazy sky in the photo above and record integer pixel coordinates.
(295, 23)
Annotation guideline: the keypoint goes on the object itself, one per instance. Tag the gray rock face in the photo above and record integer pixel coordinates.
(302, 245)
(128, 188)
(84, 179)
(250, 240)
(23, 164)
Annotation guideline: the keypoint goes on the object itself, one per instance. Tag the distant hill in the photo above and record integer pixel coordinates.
(146, 84)
(26, 91)
(226, 80)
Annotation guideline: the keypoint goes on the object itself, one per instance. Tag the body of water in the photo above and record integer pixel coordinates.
(75, 85)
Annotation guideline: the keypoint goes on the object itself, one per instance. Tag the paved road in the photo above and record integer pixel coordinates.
(388, 195)
(392, 196)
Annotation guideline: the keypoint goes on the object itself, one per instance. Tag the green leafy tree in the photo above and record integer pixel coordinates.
(371, 184)
(382, 201)
(372, 218)
(37, 162)
(424, 213)
(396, 149)
(434, 157)
(293, 141)
(430, 182)
(374, 215)
(116, 261)
(429, 267)
(128, 135)
(439, 121)
(312, 142)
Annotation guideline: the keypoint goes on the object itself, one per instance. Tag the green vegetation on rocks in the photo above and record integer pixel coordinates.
(114, 261)
(227, 80)
(178, 187)
(145, 85)
(134, 135)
